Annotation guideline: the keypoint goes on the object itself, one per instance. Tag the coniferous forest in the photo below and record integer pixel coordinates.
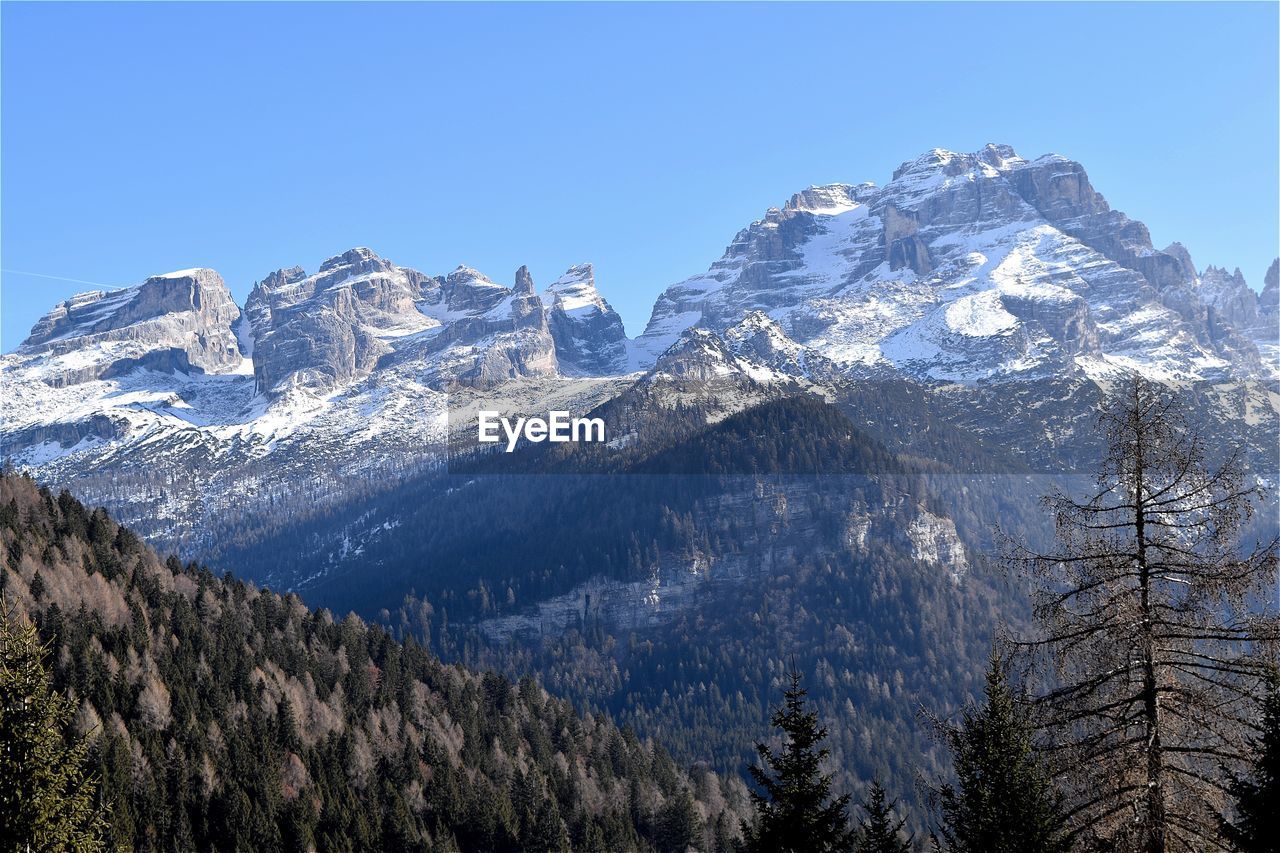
(213, 715)
(147, 704)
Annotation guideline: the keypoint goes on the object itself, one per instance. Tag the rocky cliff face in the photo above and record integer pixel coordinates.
(1267, 331)
(340, 375)
(1228, 297)
(1237, 318)
(324, 331)
(965, 267)
(589, 335)
(792, 522)
(177, 321)
(1269, 301)
(488, 332)
(320, 332)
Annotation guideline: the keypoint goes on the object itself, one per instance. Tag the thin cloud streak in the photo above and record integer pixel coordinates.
(64, 278)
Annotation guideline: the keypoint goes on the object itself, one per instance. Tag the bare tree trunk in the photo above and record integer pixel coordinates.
(1150, 696)
(1150, 633)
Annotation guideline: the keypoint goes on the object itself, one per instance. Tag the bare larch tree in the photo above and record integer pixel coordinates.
(1153, 631)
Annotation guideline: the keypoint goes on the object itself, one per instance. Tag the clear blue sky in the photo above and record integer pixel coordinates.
(143, 138)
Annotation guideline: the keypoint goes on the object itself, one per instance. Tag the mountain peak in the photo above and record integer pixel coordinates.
(1269, 301)
(933, 160)
(697, 353)
(999, 155)
(201, 273)
(358, 255)
(574, 293)
(178, 317)
(1217, 272)
(951, 163)
(524, 281)
(830, 199)
(955, 270)
(465, 275)
(577, 277)
(1179, 251)
(589, 335)
(280, 277)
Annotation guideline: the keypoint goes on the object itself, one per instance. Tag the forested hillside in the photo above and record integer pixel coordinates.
(670, 582)
(222, 715)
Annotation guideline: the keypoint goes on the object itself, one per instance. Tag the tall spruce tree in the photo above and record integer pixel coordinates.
(879, 832)
(1148, 616)
(47, 801)
(679, 826)
(1004, 800)
(795, 810)
(1256, 827)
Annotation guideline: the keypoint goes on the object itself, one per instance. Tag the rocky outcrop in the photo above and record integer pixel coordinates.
(360, 311)
(320, 332)
(488, 332)
(1256, 316)
(753, 353)
(759, 339)
(698, 356)
(95, 427)
(902, 244)
(933, 540)
(171, 360)
(589, 336)
(1228, 298)
(1269, 301)
(93, 334)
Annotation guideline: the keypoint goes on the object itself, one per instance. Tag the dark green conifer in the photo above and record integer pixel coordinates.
(879, 832)
(1256, 828)
(549, 832)
(1004, 801)
(679, 826)
(794, 807)
(47, 801)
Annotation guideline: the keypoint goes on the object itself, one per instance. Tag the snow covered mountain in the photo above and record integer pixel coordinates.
(360, 312)
(967, 267)
(179, 410)
(589, 336)
(169, 403)
(178, 321)
(1234, 307)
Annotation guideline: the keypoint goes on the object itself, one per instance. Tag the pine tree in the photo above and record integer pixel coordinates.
(1256, 828)
(795, 810)
(287, 726)
(549, 831)
(879, 832)
(37, 586)
(1005, 801)
(679, 826)
(46, 799)
(1148, 617)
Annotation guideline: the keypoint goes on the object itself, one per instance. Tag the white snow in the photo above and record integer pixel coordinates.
(979, 315)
